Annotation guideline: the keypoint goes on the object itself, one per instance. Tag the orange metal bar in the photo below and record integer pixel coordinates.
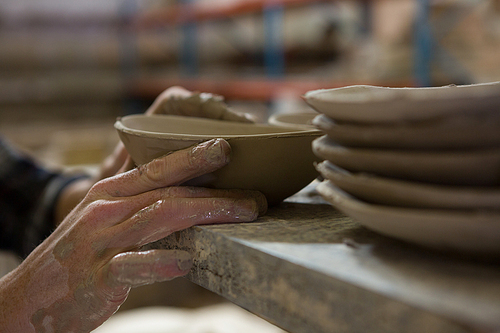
(239, 89)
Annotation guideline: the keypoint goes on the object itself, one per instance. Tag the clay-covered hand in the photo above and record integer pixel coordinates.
(83, 271)
(182, 102)
(175, 101)
(117, 162)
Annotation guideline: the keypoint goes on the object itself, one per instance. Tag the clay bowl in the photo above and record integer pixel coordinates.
(394, 192)
(276, 161)
(372, 104)
(302, 120)
(479, 167)
(458, 132)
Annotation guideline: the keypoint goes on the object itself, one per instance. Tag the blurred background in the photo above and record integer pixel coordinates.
(69, 68)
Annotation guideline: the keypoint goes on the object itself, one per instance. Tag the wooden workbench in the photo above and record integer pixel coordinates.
(307, 268)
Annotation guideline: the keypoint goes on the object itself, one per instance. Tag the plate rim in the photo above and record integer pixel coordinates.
(426, 193)
(464, 222)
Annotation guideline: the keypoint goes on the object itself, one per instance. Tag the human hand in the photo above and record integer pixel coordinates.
(79, 276)
(175, 101)
(117, 162)
(182, 102)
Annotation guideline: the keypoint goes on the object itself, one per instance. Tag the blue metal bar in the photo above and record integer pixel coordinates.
(189, 47)
(129, 58)
(423, 45)
(274, 54)
(367, 21)
(129, 54)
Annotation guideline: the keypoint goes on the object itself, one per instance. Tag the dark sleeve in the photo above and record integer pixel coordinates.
(28, 195)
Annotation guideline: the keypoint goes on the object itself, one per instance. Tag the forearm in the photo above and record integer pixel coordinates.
(78, 277)
(14, 313)
(36, 298)
(41, 296)
(75, 191)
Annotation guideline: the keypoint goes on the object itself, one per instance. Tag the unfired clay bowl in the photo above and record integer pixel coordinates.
(462, 230)
(302, 120)
(458, 132)
(369, 104)
(275, 161)
(479, 167)
(393, 192)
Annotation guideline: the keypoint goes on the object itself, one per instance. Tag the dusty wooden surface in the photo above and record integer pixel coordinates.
(307, 268)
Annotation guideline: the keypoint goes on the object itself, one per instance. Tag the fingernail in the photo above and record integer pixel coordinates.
(215, 151)
(246, 210)
(261, 201)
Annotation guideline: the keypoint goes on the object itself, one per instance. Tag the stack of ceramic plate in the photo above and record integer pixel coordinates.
(419, 164)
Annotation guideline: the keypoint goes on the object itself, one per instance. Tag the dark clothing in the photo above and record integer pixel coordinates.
(28, 194)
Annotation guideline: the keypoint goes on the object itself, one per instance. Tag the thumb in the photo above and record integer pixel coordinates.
(135, 269)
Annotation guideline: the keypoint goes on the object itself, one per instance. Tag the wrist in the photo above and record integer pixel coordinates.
(70, 196)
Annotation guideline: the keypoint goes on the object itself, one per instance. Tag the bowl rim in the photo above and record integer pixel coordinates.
(283, 119)
(281, 131)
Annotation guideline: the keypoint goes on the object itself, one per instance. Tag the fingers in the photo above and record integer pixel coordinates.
(200, 192)
(169, 170)
(216, 109)
(164, 217)
(134, 269)
(113, 211)
(182, 102)
(149, 198)
(233, 116)
(159, 105)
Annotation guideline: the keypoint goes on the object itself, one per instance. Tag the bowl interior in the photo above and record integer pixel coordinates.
(189, 127)
(301, 120)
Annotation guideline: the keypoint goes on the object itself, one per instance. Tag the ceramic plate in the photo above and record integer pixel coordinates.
(459, 132)
(380, 104)
(471, 231)
(395, 192)
(276, 161)
(467, 168)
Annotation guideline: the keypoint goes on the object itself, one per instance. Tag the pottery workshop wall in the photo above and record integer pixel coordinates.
(60, 77)
(66, 67)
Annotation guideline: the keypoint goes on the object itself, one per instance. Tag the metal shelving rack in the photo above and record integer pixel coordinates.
(428, 50)
(187, 15)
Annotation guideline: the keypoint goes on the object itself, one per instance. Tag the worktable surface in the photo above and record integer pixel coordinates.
(308, 268)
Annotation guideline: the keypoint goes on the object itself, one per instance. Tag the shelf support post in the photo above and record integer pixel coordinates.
(423, 45)
(189, 48)
(274, 54)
